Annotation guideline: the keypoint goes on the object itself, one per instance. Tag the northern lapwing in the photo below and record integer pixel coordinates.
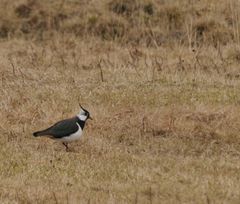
(67, 130)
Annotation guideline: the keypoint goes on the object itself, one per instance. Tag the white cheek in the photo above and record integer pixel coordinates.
(82, 117)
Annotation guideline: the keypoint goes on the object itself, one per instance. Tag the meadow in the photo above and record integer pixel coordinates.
(161, 80)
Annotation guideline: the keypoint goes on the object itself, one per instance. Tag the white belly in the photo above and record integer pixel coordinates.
(72, 137)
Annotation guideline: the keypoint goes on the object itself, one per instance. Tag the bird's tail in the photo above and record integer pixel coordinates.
(40, 133)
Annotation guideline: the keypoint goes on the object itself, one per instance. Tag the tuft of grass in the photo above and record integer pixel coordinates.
(124, 7)
(209, 30)
(23, 11)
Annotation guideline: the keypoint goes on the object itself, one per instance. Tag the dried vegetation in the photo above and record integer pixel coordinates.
(161, 79)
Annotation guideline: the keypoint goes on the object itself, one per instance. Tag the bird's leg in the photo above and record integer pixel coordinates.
(66, 145)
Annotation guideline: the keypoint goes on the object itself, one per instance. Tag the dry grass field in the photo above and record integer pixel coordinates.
(161, 78)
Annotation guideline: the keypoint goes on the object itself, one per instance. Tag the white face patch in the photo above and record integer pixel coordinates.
(82, 115)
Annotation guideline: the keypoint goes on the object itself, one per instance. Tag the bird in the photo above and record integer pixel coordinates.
(67, 130)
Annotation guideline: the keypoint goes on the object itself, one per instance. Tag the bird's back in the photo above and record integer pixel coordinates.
(60, 129)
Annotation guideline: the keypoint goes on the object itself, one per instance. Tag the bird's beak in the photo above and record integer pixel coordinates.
(90, 118)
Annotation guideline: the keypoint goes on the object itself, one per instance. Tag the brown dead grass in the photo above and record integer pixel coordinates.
(161, 80)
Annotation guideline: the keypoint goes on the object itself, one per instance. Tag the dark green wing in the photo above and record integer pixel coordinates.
(63, 128)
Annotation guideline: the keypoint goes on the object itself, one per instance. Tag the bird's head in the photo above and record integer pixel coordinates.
(83, 114)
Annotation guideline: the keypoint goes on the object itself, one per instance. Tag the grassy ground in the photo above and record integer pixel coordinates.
(166, 109)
